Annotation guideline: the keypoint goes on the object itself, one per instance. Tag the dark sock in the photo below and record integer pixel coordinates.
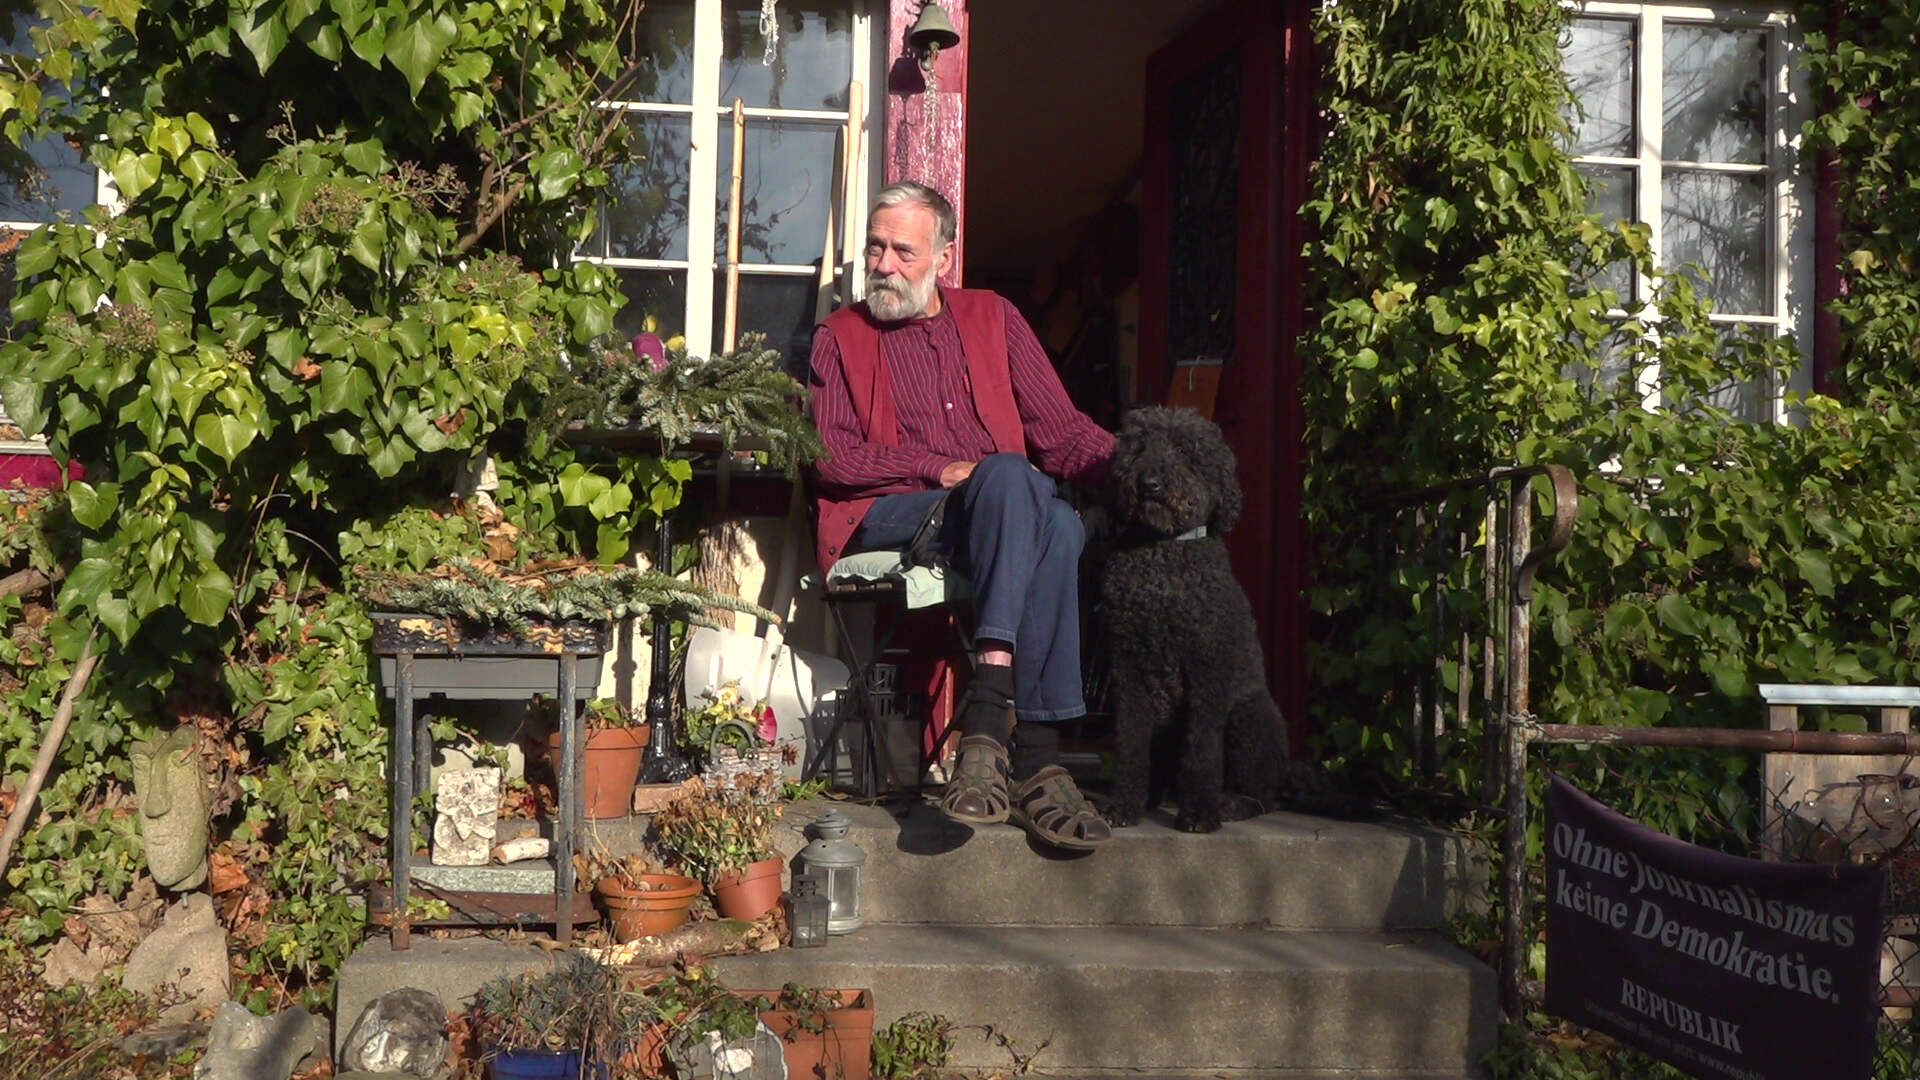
(989, 701)
(1035, 746)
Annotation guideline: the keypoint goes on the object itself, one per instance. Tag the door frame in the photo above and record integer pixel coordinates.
(1258, 404)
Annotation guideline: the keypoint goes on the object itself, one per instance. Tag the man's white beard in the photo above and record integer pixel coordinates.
(897, 297)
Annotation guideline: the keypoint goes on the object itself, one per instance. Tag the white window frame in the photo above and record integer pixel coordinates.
(1790, 224)
(703, 181)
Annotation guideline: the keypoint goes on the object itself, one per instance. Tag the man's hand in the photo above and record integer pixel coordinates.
(956, 471)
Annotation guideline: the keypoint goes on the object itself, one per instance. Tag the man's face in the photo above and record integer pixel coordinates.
(905, 259)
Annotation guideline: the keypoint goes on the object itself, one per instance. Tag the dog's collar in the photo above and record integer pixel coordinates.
(1198, 532)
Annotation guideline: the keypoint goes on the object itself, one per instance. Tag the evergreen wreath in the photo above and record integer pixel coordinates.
(736, 393)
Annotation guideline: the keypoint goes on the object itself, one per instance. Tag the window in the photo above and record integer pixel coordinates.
(1691, 124)
(40, 181)
(791, 62)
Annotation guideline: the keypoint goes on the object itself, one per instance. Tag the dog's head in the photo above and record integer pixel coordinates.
(1171, 473)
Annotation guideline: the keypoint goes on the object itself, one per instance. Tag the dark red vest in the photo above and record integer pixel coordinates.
(981, 319)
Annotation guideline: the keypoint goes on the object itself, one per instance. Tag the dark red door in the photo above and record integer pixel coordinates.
(1229, 109)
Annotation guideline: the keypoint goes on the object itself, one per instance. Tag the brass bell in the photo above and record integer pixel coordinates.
(931, 32)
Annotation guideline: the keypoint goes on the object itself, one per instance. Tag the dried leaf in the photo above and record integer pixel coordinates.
(306, 369)
(225, 873)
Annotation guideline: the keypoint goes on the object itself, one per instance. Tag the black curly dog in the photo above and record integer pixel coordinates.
(1189, 686)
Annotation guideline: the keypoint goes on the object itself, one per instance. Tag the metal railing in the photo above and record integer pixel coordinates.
(1488, 523)
(1446, 525)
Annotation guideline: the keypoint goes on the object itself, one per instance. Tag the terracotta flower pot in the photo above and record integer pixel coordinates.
(841, 1050)
(611, 765)
(749, 893)
(655, 908)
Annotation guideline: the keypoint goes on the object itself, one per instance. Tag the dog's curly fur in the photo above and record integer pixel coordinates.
(1189, 685)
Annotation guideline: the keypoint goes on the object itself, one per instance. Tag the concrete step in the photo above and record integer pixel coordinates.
(1281, 870)
(1168, 998)
(1225, 1074)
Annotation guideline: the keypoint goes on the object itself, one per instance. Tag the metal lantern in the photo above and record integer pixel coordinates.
(835, 860)
(808, 914)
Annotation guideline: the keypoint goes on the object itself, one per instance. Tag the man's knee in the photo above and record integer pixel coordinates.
(1003, 475)
(1065, 531)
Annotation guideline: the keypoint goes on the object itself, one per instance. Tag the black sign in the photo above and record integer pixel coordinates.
(1718, 965)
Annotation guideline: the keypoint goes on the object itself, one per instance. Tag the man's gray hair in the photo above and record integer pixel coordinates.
(915, 193)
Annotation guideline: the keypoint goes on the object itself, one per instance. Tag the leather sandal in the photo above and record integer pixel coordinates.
(978, 793)
(1051, 808)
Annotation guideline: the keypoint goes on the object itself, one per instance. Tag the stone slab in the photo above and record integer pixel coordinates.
(1281, 870)
(535, 878)
(450, 970)
(1168, 997)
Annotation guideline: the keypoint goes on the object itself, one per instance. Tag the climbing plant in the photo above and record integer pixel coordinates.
(337, 276)
(1458, 321)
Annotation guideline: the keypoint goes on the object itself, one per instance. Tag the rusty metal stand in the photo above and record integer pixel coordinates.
(406, 638)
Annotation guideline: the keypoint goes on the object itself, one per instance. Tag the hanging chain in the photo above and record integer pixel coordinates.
(770, 31)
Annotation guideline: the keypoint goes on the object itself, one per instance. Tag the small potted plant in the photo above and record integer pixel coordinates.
(642, 898)
(615, 748)
(549, 1024)
(827, 1034)
(722, 833)
(731, 734)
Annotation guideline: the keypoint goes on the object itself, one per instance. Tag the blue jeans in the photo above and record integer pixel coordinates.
(1008, 530)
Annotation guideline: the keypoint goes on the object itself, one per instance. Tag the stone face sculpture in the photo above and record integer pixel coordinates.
(466, 804)
(172, 789)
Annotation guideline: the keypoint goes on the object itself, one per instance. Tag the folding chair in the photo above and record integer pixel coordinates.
(876, 578)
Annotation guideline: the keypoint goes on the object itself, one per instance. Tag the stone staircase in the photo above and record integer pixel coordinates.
(1286, 946)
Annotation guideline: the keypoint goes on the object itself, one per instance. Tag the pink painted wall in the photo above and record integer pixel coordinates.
(926, 133)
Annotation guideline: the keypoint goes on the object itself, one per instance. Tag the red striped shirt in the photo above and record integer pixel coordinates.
(933, 406)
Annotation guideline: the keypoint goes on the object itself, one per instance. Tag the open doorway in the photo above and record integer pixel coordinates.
(1134, 173)
(1056, 109)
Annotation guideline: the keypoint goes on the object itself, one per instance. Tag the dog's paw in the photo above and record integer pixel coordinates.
(1121, 816)
(1241, 807)
(1204, 821)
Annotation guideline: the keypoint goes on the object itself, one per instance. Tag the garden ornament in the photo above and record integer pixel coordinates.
(171, 786)
(466, 804)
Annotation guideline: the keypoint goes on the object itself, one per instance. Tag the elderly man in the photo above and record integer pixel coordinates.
(929, 397)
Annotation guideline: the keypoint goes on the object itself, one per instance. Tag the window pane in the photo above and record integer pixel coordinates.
(1606, 369)
(803, 63)
(661, 294)
(1745, 398)
(657, 37)
(1610, 195)
(644, 214)
(45, 177)
(779, 306)
(1715, 87)
(1599, 64)
(1719, 221)
(784, 191)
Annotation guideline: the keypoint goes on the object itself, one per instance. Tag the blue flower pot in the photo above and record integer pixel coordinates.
(537, 1065)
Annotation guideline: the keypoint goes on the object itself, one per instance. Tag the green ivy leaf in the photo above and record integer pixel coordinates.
(264, 34)
(416, 48)
(1817, 571)
(205, 600)
(225, 434)
(92, 506)
(1677, 614)
(117, 616)
(85, 583)
(369, 240)
(579, 487)
(557, 171)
